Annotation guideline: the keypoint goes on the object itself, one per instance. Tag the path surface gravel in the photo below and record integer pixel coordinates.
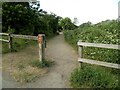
(58, 76)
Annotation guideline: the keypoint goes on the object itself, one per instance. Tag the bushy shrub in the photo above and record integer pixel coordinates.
(105, 32)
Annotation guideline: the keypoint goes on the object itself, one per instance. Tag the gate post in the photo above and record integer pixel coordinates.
(10, 41)
(80, 53)
(41, 43)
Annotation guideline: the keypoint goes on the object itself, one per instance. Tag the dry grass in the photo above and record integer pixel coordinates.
(19, 65)
(28, 74)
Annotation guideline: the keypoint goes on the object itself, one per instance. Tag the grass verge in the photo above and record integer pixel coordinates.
(94, 77)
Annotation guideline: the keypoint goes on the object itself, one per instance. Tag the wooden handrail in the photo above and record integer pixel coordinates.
(4, 34)
(101, 63)
(24, 36)
(109, 46)
(4, 40)
(40, 38)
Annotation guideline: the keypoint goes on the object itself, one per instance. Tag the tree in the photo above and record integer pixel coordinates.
(66, 24)
(51, 22)
(19, 16)
(26, 19)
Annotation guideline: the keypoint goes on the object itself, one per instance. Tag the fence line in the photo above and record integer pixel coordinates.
(109, 46)
(42, 43)
(101, 63)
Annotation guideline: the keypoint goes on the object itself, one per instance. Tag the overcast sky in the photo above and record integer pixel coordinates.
(85, 10)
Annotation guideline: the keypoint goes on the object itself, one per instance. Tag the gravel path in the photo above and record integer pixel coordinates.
(58, 76)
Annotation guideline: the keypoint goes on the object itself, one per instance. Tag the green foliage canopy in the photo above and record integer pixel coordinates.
(67, 24)
(18, 16)
(24, 18)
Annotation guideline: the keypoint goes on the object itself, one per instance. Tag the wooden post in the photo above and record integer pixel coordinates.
(41, 43)
(10, 41)
(43, 47)
(40, 47)
(80, 52)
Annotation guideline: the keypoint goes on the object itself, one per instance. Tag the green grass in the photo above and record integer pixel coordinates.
(94, 77)
(17, 45)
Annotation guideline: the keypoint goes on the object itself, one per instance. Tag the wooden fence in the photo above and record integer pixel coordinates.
(40, 38)
(101, 63)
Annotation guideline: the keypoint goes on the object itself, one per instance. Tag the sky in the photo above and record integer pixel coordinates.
(84, 10)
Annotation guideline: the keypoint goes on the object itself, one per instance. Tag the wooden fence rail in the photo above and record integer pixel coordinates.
(24, 36)
(4, 40)
(101, 63)
(42, 43)
(108, 46)
(4, 34)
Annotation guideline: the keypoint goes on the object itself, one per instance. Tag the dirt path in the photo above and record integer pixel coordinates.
(58, 76)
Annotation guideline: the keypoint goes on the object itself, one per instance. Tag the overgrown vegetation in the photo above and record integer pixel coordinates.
(66, 24)
(105, 32)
